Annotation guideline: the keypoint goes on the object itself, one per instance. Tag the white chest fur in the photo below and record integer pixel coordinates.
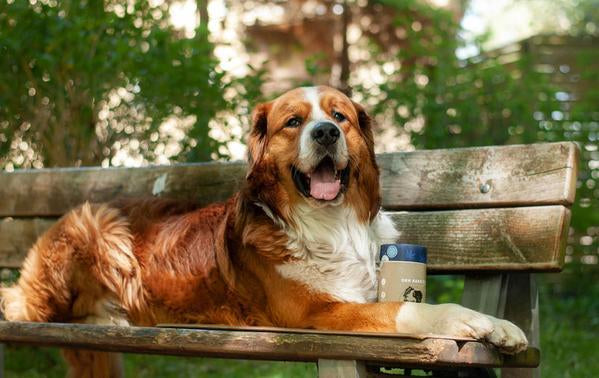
(336, 253)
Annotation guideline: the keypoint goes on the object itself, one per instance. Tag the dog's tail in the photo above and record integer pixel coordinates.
(81, 270)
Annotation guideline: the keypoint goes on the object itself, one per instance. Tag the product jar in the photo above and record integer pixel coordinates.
(402, 273)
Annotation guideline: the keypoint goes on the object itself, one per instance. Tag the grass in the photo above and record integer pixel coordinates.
(46, 362)
(569, 309)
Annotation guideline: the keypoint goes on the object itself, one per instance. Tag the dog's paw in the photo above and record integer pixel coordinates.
(457, 321)
(506, 336)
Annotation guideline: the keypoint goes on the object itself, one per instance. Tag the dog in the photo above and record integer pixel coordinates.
(295, 247)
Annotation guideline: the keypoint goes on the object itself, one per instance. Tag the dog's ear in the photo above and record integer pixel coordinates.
(366, 125)
(369, 173)
(258, 133)
(261, 172)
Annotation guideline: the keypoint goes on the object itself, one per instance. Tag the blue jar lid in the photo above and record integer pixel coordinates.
(403, 252)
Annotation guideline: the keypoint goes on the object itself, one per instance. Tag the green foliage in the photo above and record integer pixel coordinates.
(444, 289)
(47, 362)
(81, 79)
(569, 322)
(442, 101)
(583, 16)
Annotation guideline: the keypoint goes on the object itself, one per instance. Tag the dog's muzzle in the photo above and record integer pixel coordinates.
(322, 170)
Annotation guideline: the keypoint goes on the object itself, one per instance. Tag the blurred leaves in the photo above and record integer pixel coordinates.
(80, 80)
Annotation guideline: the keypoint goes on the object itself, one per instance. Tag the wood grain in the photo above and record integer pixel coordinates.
(538, 174)
(520, 238)
(17, 236)
(527, 238)
(263, 345)
(51, 192)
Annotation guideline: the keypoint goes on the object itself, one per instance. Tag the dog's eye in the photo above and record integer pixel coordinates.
(338, 116)
(293, 122)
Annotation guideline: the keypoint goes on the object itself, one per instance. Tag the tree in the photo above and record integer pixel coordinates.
(82, 80)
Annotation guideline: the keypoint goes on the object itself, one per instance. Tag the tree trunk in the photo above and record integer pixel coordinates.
(203, 11)
(344, 58)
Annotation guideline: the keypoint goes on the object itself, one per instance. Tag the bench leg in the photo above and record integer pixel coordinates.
(525, 313)
(485, 293)
(488, 293)
(1, 360)
(341, 369)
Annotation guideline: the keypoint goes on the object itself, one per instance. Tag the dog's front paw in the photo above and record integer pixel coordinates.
(460, 321)
(456, 321)
(507, 336)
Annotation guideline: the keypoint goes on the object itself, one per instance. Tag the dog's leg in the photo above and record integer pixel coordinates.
(418, 318)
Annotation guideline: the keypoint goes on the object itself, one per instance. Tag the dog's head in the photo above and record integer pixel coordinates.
(313, 145)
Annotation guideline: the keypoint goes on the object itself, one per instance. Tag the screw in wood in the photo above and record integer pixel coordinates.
(485, 188)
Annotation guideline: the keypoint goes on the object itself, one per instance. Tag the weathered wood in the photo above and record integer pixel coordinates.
(523, 310)
(528, 238)
(538, 174)
(263, 345)
(17, 236)
(222, 327)
(480, 177)
(511, 296)
(486, 293)
(51, 192)
(523, 238)
(341, 369)
(1, 360)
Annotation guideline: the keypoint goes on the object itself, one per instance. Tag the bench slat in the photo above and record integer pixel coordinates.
(519, 238)
(263, 345)
(521, 175)
(538, 174)
(526, 238)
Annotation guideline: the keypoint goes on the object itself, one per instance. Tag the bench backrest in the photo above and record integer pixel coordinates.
(486, 208)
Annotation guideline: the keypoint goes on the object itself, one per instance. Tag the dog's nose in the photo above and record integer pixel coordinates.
(325, 133)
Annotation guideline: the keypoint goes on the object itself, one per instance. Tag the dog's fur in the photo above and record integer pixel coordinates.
(272, 255)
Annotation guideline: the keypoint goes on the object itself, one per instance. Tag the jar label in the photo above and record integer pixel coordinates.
(401, 281)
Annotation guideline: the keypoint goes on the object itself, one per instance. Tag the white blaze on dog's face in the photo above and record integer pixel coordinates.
(323, 156)
(314, 145)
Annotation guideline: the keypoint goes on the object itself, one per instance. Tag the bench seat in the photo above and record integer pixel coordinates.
(269, 344)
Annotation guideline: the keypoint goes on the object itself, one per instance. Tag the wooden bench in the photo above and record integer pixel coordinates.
(494, 214)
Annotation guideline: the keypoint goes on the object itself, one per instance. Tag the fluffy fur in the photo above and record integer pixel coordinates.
(335, 253)
(271, 255)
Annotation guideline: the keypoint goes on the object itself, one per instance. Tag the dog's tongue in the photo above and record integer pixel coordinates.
(323, 184)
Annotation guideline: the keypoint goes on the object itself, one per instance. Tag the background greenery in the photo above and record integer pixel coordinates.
(84, 82)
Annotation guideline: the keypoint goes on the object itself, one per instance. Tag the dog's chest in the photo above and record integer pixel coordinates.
(335, 253)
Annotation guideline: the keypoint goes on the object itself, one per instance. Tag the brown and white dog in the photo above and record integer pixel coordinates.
(296, 247)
